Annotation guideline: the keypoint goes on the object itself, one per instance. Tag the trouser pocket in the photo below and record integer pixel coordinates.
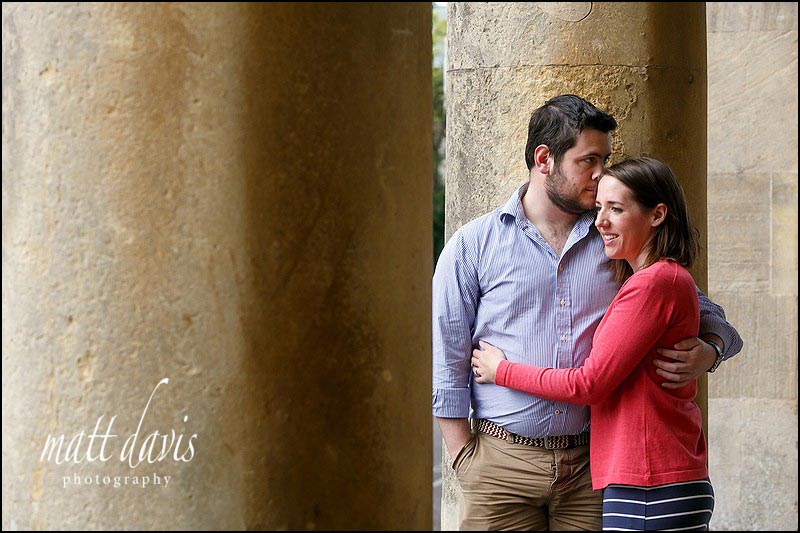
(464, 454)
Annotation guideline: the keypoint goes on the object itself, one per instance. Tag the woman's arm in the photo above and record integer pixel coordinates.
(635, 321)
(693, 357)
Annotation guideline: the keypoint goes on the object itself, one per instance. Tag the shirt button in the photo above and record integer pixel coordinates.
(563, 303)
(563, 337)
(558, 412)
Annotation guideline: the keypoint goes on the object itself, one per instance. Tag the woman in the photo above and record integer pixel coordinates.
(648, 451)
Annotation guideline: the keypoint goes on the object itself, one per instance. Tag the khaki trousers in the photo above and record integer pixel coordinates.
(507, 486)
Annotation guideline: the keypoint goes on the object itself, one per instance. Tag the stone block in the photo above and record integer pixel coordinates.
(738, 231)
(752, 100)
(752, 443)
(767, 365)
(744, 16)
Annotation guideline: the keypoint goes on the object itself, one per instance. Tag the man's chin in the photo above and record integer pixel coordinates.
(573, 206)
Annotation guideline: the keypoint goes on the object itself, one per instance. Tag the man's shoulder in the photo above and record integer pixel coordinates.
(467, 244)
(481, 227)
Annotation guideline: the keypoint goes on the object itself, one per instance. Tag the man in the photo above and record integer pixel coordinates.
(531, 277)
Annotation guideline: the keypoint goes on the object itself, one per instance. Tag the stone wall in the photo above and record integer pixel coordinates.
(752, 260)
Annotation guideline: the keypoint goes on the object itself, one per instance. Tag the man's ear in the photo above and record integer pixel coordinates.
(659, 215)
(541, 158)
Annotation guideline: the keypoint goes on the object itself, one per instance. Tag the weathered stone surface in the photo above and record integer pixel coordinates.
(752, 224)
(768, 325)
(523, 34)
(739, 243)
(783, 279)
(752, 464)
(237, 197)
(451, 493)
(749, 16)
(752, 124)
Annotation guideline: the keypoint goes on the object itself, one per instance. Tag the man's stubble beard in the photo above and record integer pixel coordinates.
(567, 204)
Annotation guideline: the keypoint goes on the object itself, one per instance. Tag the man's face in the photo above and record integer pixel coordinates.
(572, 185)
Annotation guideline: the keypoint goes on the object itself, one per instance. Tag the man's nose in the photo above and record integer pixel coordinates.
(598, 171)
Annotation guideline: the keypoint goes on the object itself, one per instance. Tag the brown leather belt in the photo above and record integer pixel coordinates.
(557, 442)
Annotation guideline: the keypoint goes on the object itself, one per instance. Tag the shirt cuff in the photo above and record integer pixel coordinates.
(720, 328)
(451, 403)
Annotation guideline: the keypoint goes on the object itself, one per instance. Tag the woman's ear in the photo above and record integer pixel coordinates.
(541, 158)
(659, 215)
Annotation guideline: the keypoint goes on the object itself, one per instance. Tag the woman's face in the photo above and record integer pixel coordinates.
(625, 225)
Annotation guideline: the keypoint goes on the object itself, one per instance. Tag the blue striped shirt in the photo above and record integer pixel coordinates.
(498, 280)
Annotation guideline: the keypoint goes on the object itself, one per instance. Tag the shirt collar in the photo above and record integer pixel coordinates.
(512, 210)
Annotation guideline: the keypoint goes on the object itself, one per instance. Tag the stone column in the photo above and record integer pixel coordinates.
(643, 62)
(237, 198)
(752, 205)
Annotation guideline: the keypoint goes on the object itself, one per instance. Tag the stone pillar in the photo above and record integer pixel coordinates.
(237, 198)
(752, 204)
(643, 62)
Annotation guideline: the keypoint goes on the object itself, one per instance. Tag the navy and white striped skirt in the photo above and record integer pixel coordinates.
(683, 506)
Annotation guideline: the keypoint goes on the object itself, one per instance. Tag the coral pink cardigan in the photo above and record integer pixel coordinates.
(641, 433)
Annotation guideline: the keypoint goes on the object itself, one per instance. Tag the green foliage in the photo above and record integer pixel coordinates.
(439, 31)
(439, 129)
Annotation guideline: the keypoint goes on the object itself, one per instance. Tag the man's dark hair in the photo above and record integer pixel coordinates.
(559, 121)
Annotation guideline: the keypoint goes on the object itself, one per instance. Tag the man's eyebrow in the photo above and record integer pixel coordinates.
(598, 154)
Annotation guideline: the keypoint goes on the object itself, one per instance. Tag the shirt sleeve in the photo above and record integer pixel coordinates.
(712, 320)
(616, 350)
(455, 304)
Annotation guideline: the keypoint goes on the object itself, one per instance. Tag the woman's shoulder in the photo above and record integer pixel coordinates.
(663, 273)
